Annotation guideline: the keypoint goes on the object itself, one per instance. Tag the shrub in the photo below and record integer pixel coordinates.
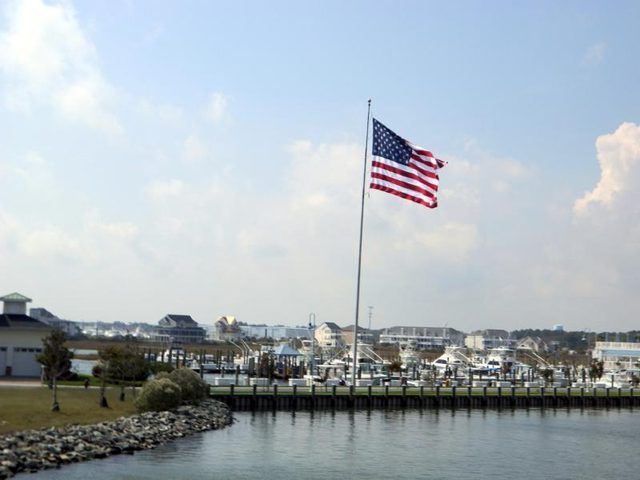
(157, 367)
(159, 394)
(194, 389)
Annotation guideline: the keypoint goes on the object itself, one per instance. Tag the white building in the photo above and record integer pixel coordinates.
(70, 328)
(489, 338)
(227, 328)
(20, 338)
(535, 344)
(276, 332)
(329, 335)
(426, 338)
(617, 355)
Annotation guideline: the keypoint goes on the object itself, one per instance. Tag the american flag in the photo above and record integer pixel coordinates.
(404, 169)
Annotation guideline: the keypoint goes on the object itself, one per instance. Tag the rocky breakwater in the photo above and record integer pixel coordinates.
(33, 450)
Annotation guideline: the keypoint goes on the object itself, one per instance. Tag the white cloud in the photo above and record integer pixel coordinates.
(217, 107)
(50, 242)
(48, 61)
(450, 242)
(194, 149)
(619, 158)
(122, 230)
(594, 54)
(160, 189)
(153, 34)
(35, 172)
(165, 112)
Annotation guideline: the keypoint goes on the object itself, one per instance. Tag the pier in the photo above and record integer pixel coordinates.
(292, 398)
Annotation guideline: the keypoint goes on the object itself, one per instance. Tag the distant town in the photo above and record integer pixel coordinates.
(183, 329)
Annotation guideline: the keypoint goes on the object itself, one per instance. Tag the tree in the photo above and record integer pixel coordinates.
(547, 375)
(123, 365)
(596, 370)
(395, 366)
(56, 359)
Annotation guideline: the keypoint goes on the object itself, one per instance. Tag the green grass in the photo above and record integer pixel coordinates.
(93, 381)
(24, 408)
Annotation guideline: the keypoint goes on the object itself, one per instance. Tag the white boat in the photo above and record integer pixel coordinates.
(367, 360)
(498, 360)
(453, 358)
(409, 356)
(171, 355)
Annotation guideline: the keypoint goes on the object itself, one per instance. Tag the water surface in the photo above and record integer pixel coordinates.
(588, 444)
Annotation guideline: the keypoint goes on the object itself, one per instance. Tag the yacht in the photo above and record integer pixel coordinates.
(454, 357)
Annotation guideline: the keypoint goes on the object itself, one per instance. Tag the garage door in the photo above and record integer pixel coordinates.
(3, 360)
(25, 363)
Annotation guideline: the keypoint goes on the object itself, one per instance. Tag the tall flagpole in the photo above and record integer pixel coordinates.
(364, 180)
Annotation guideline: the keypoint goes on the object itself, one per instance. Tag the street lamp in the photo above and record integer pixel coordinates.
(312, 331)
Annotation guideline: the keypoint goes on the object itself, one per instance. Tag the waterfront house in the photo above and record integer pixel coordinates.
(276, 332)
(71, 329)
(618, 355)
(329, 335)
(535, 344)
(489, 338)
(20, 338)
(227, 328)
(180, 329)
(364, 335)
(424, 338)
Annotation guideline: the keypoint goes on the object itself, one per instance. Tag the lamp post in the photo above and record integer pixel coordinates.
(312, 331)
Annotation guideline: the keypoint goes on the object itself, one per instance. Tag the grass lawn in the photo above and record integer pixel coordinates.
(24, 408)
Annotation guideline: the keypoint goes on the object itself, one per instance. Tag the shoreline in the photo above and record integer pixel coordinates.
(35, 450)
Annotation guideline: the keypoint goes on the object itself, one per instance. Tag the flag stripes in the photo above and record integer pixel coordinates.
(403, 169)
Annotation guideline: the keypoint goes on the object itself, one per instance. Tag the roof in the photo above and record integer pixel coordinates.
(409, 330)
(18, 320)
(332, 326)
(15, 297)
(285, 350)
(491, 332)
(350, 328)
(42, 313)
(178, 320)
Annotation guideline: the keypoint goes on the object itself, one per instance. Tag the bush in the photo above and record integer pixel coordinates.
(159, 394)
(157, 367)
(194, 389)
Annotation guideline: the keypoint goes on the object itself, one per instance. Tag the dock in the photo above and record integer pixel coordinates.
(285, 398)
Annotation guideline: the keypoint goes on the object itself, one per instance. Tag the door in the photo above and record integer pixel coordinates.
(25, 363)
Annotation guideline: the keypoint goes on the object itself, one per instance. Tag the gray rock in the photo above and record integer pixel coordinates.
(33, 450)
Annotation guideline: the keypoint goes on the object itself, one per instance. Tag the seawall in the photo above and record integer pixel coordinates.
(344, 398)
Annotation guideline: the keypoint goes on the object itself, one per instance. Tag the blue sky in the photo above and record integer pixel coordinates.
(205, 158)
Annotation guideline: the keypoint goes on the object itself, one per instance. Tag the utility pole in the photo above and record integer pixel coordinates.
(370, 315)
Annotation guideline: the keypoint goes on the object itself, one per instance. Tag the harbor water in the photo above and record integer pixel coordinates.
(410, 444)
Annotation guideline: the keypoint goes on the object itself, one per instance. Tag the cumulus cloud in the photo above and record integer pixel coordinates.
(160, 189)
(594, 54)
(619, 158)
(194, 149)
(450, 242)
(217, 107)
(121, 230)
(48, 61)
